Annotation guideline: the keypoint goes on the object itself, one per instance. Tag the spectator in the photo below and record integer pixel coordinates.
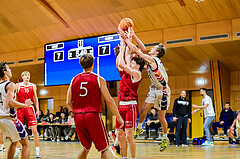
(153, 122)
(236, 124)
(68, 132)
(62, 120)
(51, 130)
(60, 110)
(40, 120)
(65, 110)
(46, 116)
(226, 119)
(171, 123)
(181, 114)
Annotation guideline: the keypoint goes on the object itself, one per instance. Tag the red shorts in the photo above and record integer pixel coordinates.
(90, 129)
(129, 115)
(29, 113)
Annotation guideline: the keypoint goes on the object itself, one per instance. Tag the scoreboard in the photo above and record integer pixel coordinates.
(62, 58)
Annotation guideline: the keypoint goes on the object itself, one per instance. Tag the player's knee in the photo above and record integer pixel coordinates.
(129, 137)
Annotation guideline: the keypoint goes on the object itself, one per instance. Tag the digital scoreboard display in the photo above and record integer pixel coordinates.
(62, 58)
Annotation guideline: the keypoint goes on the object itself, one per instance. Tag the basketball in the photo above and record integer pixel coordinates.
(125, 23)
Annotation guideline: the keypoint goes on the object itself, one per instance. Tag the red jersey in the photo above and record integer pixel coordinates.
(86, 93)
(25, 92)
(128, 87)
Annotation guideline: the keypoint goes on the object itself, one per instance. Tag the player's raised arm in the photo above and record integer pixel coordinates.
(136, 74)
(109, 101)
(146, 57)
(139, 42)
(10, 95)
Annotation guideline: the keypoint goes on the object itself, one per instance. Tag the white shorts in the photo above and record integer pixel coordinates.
(8, 129)
(156, 96)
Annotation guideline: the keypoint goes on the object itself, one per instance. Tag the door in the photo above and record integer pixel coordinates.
(197, 118)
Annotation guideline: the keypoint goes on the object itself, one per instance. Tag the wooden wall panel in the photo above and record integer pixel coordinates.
(214, 28)
(235, 28)
(181, 83)
(9, 57)
(225, 83)
(180, 33)
(235, 81)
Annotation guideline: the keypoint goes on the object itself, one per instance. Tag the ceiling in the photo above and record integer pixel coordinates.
(29, 25)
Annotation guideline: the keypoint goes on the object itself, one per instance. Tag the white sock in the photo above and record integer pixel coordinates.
(140, 125)
(165, 136)
(133, 158)
(116, 143)
(18, 149)
(124, 157)
(2, 145)
(37, 149)
(234, 140)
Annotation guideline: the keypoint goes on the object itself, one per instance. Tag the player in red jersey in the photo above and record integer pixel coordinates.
(131, 77)
(27, 90)
(84, 98)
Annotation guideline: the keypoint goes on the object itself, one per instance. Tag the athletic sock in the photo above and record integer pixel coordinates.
(140, 125)
(116, 143)
(18, 149)
(2, 145)
(165, 136)
(124, 157)
(37, 150)
(234, 140)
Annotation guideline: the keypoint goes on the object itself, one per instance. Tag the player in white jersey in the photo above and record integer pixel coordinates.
(10, 127)
(159, 93)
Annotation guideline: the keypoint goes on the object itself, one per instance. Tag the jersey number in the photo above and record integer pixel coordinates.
(83, 88)
(1, 101)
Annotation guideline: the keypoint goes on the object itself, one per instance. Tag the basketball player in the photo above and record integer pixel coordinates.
(11, 128)
(84, 98)
(131, 77)
(159, 94)
(27, 90)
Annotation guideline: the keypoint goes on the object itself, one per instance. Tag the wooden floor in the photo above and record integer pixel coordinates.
(149, 150)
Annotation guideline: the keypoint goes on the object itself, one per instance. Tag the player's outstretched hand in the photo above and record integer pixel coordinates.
(121, 33)
(194, 111)
(28, 102)
(175, 118)
(120, 120)
(194, 106)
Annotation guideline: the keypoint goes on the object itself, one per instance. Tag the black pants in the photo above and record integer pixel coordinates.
(153, 125)
(181, 124)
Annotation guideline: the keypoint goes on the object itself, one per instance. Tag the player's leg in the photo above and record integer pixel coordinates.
(206, 126)
(131, 142)
(105, 154)
(20, 117)
(25, 148)
(2, 147)
(83, 154)
(122, 142)
(142, 116)
(12, 149)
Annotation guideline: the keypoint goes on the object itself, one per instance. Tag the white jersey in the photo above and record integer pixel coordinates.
(209, 111)
(4, 108)
(158, 77)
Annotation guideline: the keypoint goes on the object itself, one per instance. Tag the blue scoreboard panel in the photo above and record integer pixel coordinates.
(62, 59)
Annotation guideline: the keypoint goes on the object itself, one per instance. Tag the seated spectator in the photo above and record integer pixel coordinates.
(46, 116)
(235, 127)
(171, 123)
(65, 111)
(51, 130)
(153, 122)
(40, 120)
(60, 110)
(62, 120)
(226, 119)
(68, 132)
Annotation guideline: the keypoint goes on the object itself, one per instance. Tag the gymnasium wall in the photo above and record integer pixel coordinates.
(235, 90)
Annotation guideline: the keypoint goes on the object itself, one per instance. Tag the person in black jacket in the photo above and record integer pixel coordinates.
(153, 122)
(181, 114)
(226, 119)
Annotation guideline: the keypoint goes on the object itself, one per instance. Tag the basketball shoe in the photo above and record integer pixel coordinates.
(137, 132)
(164, 144)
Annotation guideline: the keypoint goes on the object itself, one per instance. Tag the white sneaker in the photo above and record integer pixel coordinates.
(17, 155)
(185, 145)
(212, 143)
(206, 143)
(66, 137)
(2, 148)
(58, 140)
(38, 155)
